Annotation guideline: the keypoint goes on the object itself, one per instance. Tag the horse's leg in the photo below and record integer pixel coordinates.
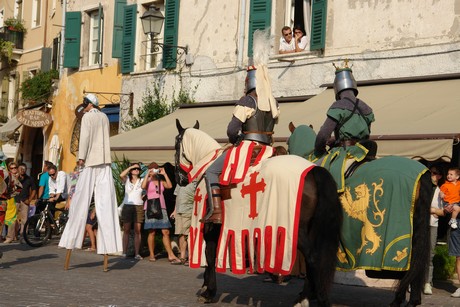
(415, 277)
(211, 236)
(319, 233)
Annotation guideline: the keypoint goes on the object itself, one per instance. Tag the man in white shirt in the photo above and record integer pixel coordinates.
(287, 44)
(57, 184)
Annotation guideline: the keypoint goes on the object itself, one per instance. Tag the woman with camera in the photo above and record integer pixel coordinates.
(133, 210)
(155, 183)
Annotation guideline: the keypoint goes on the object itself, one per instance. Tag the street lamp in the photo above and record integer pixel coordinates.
(152, 22)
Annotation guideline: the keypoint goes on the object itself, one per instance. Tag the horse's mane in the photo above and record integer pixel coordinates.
(198, 145)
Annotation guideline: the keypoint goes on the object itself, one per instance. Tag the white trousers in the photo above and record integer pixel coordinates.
(97, 179)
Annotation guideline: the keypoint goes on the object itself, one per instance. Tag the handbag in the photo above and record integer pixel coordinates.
(154, 209)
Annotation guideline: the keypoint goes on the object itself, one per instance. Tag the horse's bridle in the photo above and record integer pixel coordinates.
(181, 175)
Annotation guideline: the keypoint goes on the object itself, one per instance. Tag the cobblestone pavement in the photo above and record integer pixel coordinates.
(35, 277)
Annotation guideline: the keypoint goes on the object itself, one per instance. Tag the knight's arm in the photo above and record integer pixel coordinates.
(233, 129)
(244, 109)
(323, 136)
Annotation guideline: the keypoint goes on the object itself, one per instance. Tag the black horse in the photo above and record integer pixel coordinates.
(301, 143)
(319, 222)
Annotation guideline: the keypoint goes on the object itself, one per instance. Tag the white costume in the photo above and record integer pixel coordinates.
(96, 177)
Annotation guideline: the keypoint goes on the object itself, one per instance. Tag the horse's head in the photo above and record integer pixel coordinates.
(183, 164)
(302, 140)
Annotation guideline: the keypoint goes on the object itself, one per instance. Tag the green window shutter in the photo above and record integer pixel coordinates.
(118, 28)
(259, 19)
(170, 33)
(46, 59)
(129, 38)
(318, 24)
(72, 39)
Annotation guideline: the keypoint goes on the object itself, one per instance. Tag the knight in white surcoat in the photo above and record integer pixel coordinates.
(251, 127)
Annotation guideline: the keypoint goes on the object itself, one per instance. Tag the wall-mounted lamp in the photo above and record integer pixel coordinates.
(152, 22)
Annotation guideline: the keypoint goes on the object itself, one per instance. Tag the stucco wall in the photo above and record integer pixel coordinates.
(363, 26)
(383, 39)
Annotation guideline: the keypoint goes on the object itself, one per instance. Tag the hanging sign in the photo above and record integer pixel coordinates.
(34, 118)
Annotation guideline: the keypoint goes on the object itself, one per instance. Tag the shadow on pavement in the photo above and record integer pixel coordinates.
(7, 265)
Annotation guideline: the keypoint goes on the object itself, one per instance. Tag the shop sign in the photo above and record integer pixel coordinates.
(34, 118)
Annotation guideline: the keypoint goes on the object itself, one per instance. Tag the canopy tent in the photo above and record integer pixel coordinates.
(416, 120)
(8, 129)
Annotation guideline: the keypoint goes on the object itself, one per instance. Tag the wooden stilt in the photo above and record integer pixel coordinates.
(67, 259)
(106, 263)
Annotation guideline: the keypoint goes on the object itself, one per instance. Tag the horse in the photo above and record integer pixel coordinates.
(301, 143)
(319, 217)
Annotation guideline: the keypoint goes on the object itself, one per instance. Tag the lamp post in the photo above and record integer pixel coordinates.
(152, 22)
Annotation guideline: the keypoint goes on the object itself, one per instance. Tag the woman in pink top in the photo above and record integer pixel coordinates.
(155, 183)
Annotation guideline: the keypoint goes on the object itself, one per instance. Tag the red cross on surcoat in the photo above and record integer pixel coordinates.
(197, 198)
(252, 188)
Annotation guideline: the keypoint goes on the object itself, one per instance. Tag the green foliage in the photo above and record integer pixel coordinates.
(14, 24)
(39, 87)
(117, 167)
(6, 49)
(444, 265)
(155, 106)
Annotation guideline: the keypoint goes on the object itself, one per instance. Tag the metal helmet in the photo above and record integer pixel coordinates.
(250, 79)
(344, 80)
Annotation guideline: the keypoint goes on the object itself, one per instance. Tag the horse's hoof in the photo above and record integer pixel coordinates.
(302, 303)
(204, 300)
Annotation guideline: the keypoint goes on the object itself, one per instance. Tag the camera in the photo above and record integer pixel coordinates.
(156, 171)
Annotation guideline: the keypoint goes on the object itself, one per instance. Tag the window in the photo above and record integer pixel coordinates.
(300, 15)
(36, 13)
(95, 37)
(2, 17)
(152, 52)
(308, 14)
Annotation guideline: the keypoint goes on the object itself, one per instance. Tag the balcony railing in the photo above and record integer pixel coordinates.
(17, 38)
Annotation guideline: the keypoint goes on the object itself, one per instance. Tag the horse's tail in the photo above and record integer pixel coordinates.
(420, 245)
(326, 225)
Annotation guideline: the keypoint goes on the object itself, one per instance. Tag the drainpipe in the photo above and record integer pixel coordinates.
(46, 24)
(61, 49)
(241, 33)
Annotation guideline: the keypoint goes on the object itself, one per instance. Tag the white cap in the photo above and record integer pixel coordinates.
(92, 99)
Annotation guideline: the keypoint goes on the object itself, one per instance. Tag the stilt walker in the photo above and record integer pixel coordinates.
(95, 177)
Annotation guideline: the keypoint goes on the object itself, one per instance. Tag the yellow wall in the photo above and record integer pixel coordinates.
(70, 95)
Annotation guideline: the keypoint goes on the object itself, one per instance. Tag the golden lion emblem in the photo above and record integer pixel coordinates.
(358, 208)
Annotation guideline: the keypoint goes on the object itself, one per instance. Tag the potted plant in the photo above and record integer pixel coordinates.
(6, 50)
(16, 25)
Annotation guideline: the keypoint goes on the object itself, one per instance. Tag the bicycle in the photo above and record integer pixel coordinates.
(40, 227)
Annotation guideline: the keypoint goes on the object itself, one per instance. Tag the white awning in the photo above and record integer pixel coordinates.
(7, 130)
(415, 120)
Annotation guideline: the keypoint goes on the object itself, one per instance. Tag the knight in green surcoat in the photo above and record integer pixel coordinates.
(349, 119)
